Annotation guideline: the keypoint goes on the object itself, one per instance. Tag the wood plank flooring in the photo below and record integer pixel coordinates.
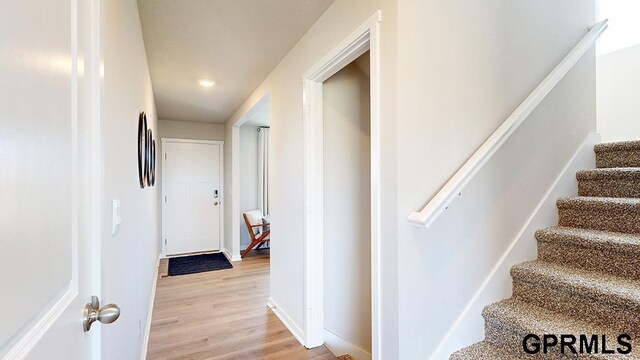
(222, 315)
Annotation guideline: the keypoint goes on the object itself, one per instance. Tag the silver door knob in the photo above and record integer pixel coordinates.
(93, 312)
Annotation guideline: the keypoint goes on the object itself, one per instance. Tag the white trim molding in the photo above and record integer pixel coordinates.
(339, 346)
(229, 256)
(286, 320)
(454, 187)
(38, 330)
(147, 328)
(365, 38)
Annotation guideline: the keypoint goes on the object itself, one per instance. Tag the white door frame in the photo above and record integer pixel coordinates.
(164, 188)
(366, 37)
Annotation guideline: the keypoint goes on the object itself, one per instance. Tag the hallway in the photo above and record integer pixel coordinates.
(222, 315)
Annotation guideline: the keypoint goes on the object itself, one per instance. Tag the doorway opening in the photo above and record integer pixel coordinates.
(250, 176)
(331, 196)
(347, 210)
(254, 182)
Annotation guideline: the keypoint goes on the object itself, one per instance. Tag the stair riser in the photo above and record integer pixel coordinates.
(620, 158)
(576, 304)
(617, 188)
(508, 340)
(622, 264)
(608, 220)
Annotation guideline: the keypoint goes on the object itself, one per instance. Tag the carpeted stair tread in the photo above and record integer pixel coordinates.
(599, 287)
(620, 154)
(617, 146)
(608, 252)
(514, 319)
(481, 351)
(631, 173)
(599, 203)
(588, 238)
(609, 182)
(600, 213)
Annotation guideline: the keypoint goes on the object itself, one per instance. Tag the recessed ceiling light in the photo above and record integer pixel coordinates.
(207, 83)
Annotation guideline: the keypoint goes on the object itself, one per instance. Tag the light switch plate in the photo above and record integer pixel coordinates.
(116, 216)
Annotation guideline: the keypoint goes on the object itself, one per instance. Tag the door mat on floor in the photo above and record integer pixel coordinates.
(198, 263)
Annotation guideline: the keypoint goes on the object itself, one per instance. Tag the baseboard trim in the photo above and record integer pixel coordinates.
(339, 346)
(286, 320)
(586, 145)
(147, 330)
(231, 257)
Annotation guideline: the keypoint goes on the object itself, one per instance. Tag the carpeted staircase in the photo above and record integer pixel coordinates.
(587, 276)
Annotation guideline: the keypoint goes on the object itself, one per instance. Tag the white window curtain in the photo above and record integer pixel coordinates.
(263, 170)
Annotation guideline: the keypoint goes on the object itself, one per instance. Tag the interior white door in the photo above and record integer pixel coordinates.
(193, 196)
(46, 270)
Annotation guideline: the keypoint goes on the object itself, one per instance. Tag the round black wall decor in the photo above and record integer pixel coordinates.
(142, 149)
(147, 168)
(153, 162)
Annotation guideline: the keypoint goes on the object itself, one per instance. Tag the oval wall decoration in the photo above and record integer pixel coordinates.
(147, 167)
(153, 162)
(142, 149)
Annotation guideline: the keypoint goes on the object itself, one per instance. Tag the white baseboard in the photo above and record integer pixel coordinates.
(231, 257)
(147, 330)
(339, 346)
(287, 321)
(467, 328)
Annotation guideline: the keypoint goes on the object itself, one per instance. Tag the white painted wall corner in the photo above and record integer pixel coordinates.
(286, 320)
(147, 330)
(339, 346)
(231, 257)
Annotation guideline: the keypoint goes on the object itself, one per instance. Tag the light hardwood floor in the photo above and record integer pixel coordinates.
(222, 315)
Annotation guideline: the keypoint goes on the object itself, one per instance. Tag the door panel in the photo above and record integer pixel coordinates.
(44, 239)
(192, 217)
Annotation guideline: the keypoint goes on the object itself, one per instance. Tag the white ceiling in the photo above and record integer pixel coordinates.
(235, 43)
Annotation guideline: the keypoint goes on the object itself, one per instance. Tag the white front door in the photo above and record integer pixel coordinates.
(192, 187)
(46, 196)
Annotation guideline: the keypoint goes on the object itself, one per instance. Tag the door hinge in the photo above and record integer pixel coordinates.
(165, 156)
(165, 242)
(165, 198)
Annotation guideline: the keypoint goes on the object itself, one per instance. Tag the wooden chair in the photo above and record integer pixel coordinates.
(258, 231)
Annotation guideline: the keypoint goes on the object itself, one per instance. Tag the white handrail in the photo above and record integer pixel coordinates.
(459, 181)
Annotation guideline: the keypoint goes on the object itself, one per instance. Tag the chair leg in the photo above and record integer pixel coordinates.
(246, 251)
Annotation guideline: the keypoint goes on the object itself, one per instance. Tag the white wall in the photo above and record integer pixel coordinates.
(190, 130)
(619, 71)
(248, 177)
(463, 67)
(129, 258)
(624, 27)
(619, 94)
(347, 208)
(452, 71)
(285, 105)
